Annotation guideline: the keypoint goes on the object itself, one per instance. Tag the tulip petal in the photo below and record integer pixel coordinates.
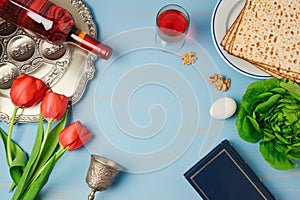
(68, 135)
(74, 136)
(75, 145)
(27, 91)
(80, 142)
(54, 106)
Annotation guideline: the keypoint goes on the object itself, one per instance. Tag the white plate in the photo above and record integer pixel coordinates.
(225, 12)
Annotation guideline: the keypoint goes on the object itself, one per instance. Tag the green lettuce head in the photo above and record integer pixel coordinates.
(270, 114)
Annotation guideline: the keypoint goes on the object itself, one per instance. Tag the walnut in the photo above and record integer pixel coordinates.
(220, 82)
(188, 58)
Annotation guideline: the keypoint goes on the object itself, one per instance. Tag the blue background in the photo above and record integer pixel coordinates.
(68, 178)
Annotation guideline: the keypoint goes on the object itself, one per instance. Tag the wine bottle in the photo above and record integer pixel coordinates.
(50, 22)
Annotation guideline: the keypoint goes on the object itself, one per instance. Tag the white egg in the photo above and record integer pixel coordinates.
(223, 108)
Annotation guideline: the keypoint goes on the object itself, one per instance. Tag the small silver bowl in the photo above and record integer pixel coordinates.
(101, 174)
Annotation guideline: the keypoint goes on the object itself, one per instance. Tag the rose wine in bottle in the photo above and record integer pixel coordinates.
(51, 22)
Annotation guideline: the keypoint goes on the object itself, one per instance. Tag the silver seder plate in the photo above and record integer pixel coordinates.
(66, 68)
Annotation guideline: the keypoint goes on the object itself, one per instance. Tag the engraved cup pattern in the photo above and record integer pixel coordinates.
(101, 174)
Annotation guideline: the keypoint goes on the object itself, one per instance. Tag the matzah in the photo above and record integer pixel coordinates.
(267, 34)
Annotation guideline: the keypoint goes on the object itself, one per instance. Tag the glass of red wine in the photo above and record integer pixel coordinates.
(172, 24)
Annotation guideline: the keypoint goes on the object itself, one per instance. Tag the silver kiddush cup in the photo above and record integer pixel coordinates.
(101, 174)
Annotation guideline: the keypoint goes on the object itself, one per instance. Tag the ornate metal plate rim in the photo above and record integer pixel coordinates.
(85, 18)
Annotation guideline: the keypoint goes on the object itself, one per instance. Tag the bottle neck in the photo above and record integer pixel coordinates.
(89, 43)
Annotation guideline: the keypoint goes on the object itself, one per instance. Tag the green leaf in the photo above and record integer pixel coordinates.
(254, 123)
(265, 106)
(291, 117)
(293, 89)
(245, 128)
(292, 107)
(280, 138)
(35, 165)
(265, 95)
(267, 116)
(296, 127)
(280, 148)
(42, 176)
(287, 132)
(18, 164)
(19, 159)
(296, 145)
(274, 116)
(37, 185)
(268, 135)
(294, 154)
(52, 140)
(288, 100)
(250, 100)
(276, 128)
(278, 90)
(30, 167)
(276, 159)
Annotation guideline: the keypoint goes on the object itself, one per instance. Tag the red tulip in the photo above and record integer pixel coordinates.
(54, 106)
(27, 91)
(74, 136)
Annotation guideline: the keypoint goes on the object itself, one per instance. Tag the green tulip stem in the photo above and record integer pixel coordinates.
(43, 143)
(12, 121)
(60, 152)
(57, 155)
(45, 138)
